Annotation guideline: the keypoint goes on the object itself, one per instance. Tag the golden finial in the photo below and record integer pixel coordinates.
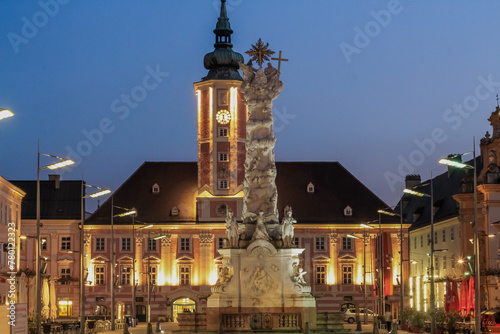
(260, 52)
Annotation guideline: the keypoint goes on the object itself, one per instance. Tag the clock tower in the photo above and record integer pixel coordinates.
(221, 128)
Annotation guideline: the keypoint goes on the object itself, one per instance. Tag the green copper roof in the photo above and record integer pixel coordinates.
(223, 62)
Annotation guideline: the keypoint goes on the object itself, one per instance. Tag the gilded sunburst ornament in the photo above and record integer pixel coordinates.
(260, 52)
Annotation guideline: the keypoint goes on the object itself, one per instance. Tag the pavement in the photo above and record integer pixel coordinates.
(169, 327)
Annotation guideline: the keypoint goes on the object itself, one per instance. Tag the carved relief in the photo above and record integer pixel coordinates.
(260, 282)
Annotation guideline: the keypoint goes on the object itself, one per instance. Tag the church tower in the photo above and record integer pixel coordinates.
(221, 128)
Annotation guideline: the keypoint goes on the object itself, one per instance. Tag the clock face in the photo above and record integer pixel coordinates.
(223, 116)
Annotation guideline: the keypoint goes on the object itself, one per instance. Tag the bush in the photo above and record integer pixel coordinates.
(418, 319)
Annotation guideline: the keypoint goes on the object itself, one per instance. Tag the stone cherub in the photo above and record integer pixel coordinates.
(260, 232)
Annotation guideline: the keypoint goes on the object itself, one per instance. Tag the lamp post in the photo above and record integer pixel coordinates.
(477, 275)
(113, 260)
(5, 113)
(99, 193)
(366, 237)
(59, 164)
(401, 260)
(432, 296)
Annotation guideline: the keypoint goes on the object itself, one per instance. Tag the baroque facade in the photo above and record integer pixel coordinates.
(181, 209)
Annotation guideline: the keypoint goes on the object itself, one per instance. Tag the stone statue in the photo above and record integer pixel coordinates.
(232, 232)
(287, 228)
(260, 232)
(298, 274)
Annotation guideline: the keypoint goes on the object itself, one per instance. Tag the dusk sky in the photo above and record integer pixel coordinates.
(386, 88)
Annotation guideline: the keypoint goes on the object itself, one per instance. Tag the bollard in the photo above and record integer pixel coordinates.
(306, 329)
(125, 329)
(394, 329)
(358, 326)
(150, 329)
(158, 327)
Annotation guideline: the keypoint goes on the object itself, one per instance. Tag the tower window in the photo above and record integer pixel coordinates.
(222, 132)
(310, 187)
(155, 189)
(223, 156)
(223, 184)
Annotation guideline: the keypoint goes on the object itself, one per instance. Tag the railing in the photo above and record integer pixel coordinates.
(261, 321)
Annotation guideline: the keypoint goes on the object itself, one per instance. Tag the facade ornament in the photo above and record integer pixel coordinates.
(86, 238)
(206, 238)
(298, 274)
(232, 230)
(260, 281)
(139, 239)
(334, 237)
(167, 241)
(287, 230)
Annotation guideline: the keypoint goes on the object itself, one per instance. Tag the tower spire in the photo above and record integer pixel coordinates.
(223, 62)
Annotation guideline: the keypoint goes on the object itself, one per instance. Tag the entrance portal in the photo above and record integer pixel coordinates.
(183, 305)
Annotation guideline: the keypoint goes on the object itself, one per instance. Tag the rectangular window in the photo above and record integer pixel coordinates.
(347, 274)
(152, 274)
(65, 276)
(44, 244)
(222, 132)
(444, 235)
(99, 275)
(125, 275)
(185, 244)
(415, 242)
(436, 264)
(223, 184)
(296, 242)
(320, 274)
(220, 243)
(320, 243)
(452, 234)
(346, 243)
(151, 245)
(223, 156)
(126, 244)
(421, 241)
(435, 238)
(99, 244)
(185, 275)
(453, 262)
(444, 263)
(65, 243)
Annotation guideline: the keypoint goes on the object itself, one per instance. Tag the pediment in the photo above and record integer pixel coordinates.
(100, 260)
(185, 259)
(124, 259)
(65, 261)
(347, 256)
(151, 259)
(321, 258)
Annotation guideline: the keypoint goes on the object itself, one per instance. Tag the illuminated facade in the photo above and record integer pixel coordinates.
(453, 230)
(10, 224)
(60, 216)
(186, 203)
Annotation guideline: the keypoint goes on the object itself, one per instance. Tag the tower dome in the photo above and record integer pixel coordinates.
(223, 62)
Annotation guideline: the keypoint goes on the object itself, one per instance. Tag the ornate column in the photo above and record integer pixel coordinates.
(206, 263)
(166, 259)
(260, 88)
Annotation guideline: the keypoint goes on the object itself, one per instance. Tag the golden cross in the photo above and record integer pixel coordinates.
(279, 59)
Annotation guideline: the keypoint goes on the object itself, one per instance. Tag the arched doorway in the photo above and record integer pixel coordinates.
(183, 305)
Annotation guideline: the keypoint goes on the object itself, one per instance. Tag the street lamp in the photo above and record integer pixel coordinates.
(432, 294)
(477, 275)
(5, 113)
(366, 236)
(113, 260)
(100, 192)
(62, 162)
(401, 293)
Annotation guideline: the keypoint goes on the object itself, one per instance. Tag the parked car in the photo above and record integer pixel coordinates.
(350, 315)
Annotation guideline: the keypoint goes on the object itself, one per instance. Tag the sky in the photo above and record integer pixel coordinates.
(386, 88)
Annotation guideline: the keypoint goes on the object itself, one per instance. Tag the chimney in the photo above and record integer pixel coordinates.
(57, 179)
(412, 180)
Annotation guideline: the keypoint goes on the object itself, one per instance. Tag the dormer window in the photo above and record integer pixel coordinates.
(174, 211)
(310, 188)
(155, 189)
(348, 211)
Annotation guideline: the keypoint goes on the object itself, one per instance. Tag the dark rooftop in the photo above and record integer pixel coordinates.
(62, 203)
(334, 189)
